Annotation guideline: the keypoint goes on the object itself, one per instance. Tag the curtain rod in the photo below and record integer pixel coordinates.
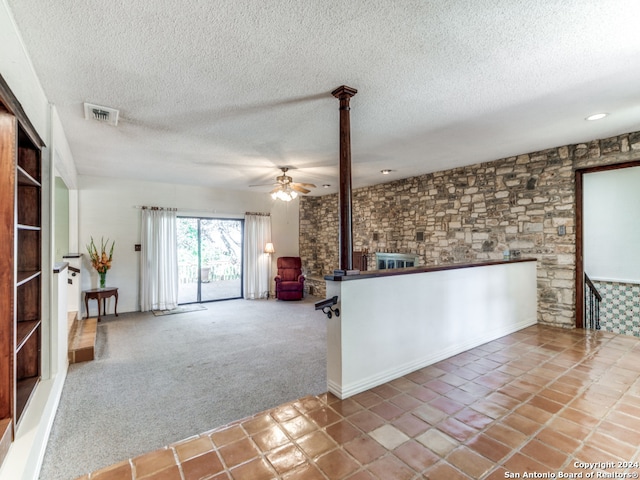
(191, 210)
(144, 207)
(260, 214)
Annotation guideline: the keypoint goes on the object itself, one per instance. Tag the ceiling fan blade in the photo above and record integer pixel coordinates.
(309, 185)
(298, 188)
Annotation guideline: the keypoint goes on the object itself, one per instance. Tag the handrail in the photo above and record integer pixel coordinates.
(592, 301)
(592, 287)
(326, 306)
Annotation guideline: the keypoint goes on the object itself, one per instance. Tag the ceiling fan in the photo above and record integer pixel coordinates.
(286, 189)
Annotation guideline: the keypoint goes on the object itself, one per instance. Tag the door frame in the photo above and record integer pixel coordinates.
(579, 174)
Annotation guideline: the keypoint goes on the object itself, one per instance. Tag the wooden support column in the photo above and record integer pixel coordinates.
(345, 233)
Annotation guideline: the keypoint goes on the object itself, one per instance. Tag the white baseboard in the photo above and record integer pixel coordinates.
(25, 456)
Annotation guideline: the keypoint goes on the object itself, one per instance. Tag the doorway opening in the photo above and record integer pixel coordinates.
(582, 283)
(209, 259)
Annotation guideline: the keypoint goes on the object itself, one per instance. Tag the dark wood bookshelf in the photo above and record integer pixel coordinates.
(21, 245)
(24, 179)
(24, 277)
(24, 331)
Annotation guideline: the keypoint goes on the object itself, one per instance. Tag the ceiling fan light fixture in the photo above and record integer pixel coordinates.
(286, 189)
(284, 194)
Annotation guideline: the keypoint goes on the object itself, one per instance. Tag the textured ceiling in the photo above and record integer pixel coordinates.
(223, 93)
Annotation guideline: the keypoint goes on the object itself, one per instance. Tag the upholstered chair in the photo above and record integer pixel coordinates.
(289, 281)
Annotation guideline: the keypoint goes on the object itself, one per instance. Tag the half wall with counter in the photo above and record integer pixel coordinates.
(394, 322)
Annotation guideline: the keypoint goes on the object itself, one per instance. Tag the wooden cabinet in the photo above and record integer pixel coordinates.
(20, 264)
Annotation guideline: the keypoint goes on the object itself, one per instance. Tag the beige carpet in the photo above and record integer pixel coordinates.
(180, 309)
(157, 380)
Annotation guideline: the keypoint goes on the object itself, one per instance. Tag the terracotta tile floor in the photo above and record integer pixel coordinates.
(540, 401)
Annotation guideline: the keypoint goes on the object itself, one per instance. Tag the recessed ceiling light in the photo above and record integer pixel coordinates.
(326, 185)
(596, 116)
(385, 172)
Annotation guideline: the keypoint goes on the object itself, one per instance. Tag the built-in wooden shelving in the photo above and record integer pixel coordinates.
(24, 332)
(21, 272)
(24, 277)
(25, 179)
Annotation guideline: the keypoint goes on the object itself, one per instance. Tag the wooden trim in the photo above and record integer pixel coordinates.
(411, 270)
(612, 166)
(579, 253)
(579, 197)
(345, 236)
(8, 155)
(60, 267)
(11, 103)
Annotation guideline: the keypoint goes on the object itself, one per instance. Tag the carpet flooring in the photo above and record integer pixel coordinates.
(157, 380)
(179, 309)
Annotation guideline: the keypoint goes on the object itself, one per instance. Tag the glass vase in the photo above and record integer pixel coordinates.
(103, 279)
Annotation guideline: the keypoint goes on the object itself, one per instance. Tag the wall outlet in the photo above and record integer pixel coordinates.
(137, 247)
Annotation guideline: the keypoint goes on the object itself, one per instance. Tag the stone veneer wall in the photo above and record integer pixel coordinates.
(474, 212)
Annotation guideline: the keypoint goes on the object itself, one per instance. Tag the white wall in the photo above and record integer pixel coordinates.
(285, 234)
(63, 158)
(17, 70)
(107, 208)
(61, 218)
(285, 228)
(612, 225)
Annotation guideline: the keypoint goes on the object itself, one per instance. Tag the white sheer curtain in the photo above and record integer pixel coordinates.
(159, 267)
(257, 232)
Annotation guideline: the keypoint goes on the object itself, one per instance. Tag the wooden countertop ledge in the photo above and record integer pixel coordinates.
(423, 269)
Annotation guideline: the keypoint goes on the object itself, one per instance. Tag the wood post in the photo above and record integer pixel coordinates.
(345, 233)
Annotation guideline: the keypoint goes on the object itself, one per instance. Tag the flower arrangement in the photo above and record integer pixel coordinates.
(100, 260)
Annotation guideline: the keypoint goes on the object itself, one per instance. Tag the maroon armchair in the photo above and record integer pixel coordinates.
(289, 281)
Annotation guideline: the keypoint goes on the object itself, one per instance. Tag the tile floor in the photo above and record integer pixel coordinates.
(537, 403)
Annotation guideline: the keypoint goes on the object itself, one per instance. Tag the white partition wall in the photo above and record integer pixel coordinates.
(392, 325)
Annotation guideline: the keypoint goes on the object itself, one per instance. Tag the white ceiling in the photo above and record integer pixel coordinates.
(223, 93)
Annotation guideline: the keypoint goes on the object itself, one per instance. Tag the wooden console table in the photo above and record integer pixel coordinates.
(101, 293)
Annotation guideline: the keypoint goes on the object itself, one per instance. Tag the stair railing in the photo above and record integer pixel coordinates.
(592, 299)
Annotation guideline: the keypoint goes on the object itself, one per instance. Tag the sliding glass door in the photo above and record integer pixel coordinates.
(209, 259)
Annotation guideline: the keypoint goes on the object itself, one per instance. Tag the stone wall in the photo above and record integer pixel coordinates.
(476, 212)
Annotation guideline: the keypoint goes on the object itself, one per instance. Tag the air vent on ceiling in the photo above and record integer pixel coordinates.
(101, 114)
